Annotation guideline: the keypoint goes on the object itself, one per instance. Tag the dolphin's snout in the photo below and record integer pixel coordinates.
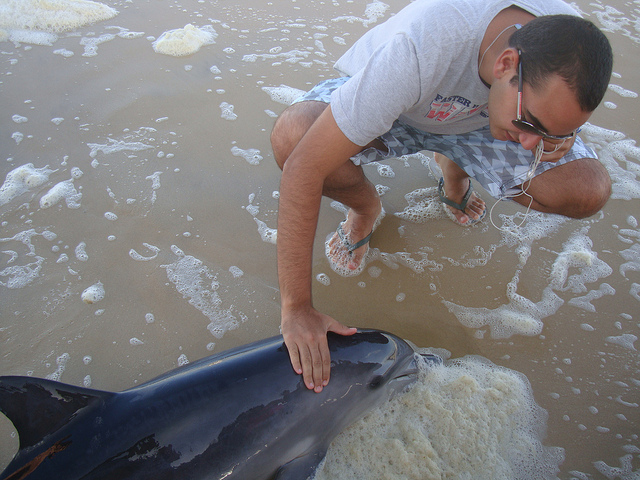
(431, 359)
(409, 370)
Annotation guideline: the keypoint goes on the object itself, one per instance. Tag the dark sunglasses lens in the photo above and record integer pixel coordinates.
(527, 127)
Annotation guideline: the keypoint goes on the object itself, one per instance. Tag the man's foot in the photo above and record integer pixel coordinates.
(458, 188)
(347, 248)
(469, 211)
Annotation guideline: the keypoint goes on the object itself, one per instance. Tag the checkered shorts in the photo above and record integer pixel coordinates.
(497, 165)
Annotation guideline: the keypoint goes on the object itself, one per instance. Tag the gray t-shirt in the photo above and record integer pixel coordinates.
(421, 66)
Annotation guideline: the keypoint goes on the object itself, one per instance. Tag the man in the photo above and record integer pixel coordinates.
(491, 86)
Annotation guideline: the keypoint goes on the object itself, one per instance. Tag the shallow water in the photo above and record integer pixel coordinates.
(152, 184)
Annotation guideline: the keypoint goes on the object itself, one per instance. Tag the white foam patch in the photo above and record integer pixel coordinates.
(19, 276)
(115, 146)
(631, 255)
(61, 365)
(16, 275)
(423, 205)
(577, 254)
(185, 41)
(614, 21)
(22, 179)
(292, 56)
(52, 16)
(93, 294)
(623, 92)
(226, 111)
(373, 12)
(268, 235)
(81, 252)
(519, 317)
(251, 155)
(620, 156)
(32, 37)
(466, 419)
(283, 94)
(236, 271)
(626, 340)
(65, 189)
(141, 258)
(199, 286)
(523, 316)
(624, 472)
(91, 44)
(584, 302)
(155, 185)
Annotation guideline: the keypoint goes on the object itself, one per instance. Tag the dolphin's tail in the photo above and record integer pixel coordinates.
(38, 407)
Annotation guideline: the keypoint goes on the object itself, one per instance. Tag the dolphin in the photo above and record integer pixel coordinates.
(241, 414)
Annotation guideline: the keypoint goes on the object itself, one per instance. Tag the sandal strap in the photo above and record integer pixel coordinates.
(451, 203)
(352, 246)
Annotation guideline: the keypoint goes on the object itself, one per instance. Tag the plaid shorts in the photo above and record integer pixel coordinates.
(497, 165)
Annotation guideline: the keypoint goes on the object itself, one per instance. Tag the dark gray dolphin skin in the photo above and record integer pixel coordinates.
(241, 414)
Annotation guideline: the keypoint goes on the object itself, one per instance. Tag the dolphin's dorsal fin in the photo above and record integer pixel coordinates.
(301, 468)
(38, 407)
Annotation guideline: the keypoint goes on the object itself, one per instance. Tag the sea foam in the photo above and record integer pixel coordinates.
(25, 18)
(185, 41)
(466, 419)
(22, 179)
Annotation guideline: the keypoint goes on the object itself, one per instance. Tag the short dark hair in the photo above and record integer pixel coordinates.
(571, 47)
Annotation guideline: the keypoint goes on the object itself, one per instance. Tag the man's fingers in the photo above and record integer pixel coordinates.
(309, 350)
(307, 370)
(326, 363)
(316, 361)
(341, 329)
(294, 356)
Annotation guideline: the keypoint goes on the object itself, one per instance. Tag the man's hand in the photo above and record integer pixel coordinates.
(305, 334)
(556, 148)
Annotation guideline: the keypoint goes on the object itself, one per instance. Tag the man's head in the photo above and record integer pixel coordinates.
(568, 46)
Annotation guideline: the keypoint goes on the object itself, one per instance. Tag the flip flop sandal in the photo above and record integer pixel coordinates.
(458, 206)
(350, 248)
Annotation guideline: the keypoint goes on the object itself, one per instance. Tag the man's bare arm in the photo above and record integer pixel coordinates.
(322, 150)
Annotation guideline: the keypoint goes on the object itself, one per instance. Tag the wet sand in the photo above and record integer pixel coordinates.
(182, 254)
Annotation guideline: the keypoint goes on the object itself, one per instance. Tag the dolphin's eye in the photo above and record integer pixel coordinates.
(376, 381)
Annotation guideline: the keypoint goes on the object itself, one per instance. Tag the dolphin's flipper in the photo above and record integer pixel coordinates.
(38, 407)
(301, 468)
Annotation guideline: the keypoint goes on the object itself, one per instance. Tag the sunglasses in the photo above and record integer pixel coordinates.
(523, 124)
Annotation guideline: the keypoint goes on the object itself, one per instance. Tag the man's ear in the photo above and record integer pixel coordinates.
(506, 63)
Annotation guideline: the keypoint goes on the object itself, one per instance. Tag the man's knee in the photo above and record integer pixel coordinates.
(596, 191)
(576, 189)
(588, 188)
(291, 126)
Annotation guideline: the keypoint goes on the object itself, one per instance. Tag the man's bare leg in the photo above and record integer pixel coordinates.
(347, 185)
(577, 189)
(456, 183)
